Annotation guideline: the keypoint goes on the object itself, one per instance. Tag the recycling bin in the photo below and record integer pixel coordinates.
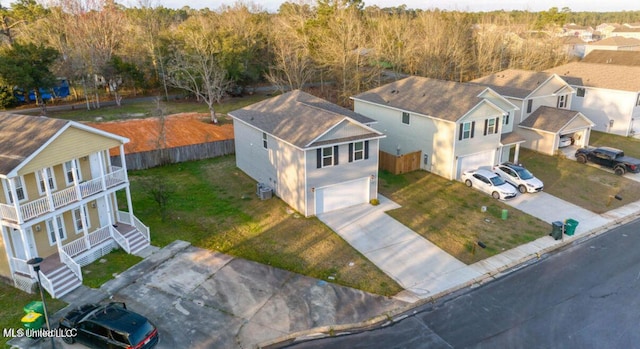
(34, 307)
(557, 228)
(570, 226)
(33, 321)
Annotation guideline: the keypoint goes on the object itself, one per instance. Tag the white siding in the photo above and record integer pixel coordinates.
(602, 106)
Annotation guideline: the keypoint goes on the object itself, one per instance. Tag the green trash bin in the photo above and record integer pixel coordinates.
(556, 230)
(570, 226)
(33, 321)
(34, 307)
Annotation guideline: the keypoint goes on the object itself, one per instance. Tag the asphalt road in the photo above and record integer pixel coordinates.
(586, 296)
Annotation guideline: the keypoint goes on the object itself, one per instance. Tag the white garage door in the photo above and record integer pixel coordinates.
(342, 195)
(473, 161)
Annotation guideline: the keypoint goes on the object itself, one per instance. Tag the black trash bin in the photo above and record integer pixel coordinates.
(557, 230)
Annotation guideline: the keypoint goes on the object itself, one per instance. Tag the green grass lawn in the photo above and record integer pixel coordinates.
(13, 300)
(450, 215)
(107, 267)
(213, 205)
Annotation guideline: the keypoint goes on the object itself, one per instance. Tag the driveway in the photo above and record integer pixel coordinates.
(204, 299)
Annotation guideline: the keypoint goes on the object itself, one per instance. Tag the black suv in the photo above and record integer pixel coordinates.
(109, 326)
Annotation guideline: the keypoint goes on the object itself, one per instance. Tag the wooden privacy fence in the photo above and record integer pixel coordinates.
(398, 164)
(157, 157)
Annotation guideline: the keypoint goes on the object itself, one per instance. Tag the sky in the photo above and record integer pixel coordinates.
(460, 5)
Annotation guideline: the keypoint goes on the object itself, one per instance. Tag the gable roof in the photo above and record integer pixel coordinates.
(609, 76)
(626, 29)
(24, 136)
(441, 99)
(613, 57)
(616, 41)
(514, 82)
(301, 119)
(549, 119)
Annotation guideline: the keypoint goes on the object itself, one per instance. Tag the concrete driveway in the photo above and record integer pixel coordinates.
(203, 299)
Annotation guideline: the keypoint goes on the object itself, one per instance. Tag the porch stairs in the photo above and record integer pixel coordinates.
(137, 241)
(63, 280)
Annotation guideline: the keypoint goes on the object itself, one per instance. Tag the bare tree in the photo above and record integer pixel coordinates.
(200, 74)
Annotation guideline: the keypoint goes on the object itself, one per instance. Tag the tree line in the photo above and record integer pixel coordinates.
(99, 46)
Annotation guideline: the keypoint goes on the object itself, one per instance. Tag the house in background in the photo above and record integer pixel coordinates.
(316, 156)
(614, 43)
(631, 58)
(608, 93)
(573, 46)
(455, 126)
(58, 201)
(544, 101)
(586, 33)
(627, 30)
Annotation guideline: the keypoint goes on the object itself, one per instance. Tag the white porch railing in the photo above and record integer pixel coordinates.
(9, 212)
(69, 262)
(83, 244)
(63, 197)
(99, 236)
(120, 239)
(20, 266)
(125, 217)
(47, 284)
(76, 247)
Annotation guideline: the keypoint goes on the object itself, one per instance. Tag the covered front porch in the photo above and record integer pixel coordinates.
(61, 272)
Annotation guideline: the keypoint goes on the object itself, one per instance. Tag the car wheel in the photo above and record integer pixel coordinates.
(619, 170)
(468, 183)
(495, 195)
(68, 340)
(581, 159)
(522, 189)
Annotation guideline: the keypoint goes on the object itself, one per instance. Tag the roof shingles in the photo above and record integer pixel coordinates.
(610, 76)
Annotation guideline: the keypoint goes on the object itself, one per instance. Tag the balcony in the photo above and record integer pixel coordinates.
(61, 198)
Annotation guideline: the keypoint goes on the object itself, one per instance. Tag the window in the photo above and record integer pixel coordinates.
(580, 92)
(491, 126)
(50, 179)
(18, 183)
(264, 140)
(77, 218)
(406, 118)
(52, 232)
(326, 157)
(529, 105)
(505, 118)
(358, 151)
(466, 130)
(69, 167)
(562, 101)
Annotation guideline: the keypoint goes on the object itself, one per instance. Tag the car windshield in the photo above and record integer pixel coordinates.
(497, 180)
(524, 173)
(140, 333)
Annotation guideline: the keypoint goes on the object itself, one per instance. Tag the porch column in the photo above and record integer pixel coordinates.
(47, 190)
(103, 172)
(85, 231)
(126, 179)
(516, 154)
(74, 175)
(56, 231)
(14, 195)
(7, 250)
(27, 250)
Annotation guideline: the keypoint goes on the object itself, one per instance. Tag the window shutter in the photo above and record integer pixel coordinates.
(318, 158)
(460, 133)
(366, 149)
(473, 128)
(486, 124)
(335, 155)
(497, 123)
(350, 152)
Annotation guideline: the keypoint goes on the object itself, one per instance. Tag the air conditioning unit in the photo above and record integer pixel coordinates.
(263, 191)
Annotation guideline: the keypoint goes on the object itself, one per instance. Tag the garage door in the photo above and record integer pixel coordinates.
(473, 161)
(342, 195)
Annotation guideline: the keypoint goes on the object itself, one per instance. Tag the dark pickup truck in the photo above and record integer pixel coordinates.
(609, 157)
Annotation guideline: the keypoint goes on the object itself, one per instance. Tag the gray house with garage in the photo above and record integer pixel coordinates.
(316, 156)
(455, 126)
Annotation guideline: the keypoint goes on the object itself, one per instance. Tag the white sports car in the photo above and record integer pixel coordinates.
(490, 183)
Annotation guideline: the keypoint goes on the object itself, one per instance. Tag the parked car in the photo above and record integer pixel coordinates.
(609, 157)
(565, 141)
(109, 326)
(519, 177)
(490, 183)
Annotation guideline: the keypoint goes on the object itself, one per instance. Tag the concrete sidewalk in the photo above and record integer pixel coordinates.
(427, 272)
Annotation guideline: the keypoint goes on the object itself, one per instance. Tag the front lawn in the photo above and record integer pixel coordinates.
(630, 145)
(451, 216)
(107, 267)
(213, 205)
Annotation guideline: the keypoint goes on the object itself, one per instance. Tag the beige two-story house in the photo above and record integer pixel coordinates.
(58, 201)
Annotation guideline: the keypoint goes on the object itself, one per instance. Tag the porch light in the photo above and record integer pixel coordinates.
(35, 264)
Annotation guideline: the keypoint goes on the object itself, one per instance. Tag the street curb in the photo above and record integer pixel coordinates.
(396, 315)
